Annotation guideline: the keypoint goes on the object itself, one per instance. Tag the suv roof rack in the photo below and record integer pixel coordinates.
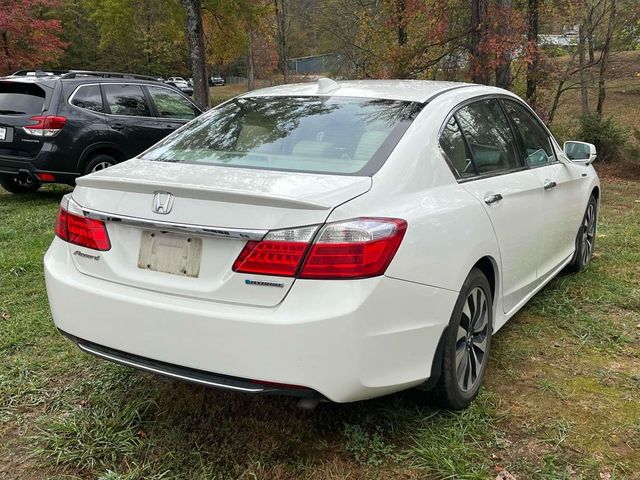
(91, 73)
(38, 73)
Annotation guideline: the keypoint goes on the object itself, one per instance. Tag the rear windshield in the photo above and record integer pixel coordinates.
(20, 98)
(333, 135)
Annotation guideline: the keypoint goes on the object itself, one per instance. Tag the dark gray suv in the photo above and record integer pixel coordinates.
(56, 126)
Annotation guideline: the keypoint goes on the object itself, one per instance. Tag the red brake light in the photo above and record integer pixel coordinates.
(279, 253)
(82, 231)
(45, 126)
(46, 177)
(359, 248)
(270, 258)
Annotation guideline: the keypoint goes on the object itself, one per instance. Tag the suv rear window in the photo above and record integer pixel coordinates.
(20, 98)
(335, 135)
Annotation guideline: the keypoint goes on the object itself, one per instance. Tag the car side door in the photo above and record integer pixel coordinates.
(129, 117)
(562, 206)
(171, 108)
(480, 145)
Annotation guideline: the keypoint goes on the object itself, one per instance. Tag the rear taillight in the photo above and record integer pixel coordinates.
(278, 253)
(82, 231)
(45, 126)
(359, 248)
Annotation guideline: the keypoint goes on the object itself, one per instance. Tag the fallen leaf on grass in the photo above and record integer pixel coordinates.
(503, 474)
(5, 315)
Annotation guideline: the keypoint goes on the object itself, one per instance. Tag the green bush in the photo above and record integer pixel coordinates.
(608, 137)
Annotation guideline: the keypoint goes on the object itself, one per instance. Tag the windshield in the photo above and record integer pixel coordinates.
(335, 135)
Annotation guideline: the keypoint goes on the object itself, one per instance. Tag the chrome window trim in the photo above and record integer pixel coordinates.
(204, 230)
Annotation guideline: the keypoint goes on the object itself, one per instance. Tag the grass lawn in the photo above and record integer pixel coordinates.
(561, 399)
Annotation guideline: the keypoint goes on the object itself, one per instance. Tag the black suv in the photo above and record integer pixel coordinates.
(57, 126)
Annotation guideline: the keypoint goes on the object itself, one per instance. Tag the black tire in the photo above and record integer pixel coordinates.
(19, 184)
(586, 238)
(467, 344)
(99, 162)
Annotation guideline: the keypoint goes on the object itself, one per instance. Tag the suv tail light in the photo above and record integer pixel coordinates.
(359, 248)
(45, 126)
(82, 231)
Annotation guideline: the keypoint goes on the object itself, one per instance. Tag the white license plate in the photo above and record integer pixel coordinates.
(3, 134)
(170, 253)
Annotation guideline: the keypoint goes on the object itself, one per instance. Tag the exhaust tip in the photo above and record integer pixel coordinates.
(308, 403)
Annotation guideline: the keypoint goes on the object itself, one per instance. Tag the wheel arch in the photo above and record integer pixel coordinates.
(97, 149)
(489, 267)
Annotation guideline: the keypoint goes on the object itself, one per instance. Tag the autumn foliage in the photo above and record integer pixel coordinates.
(27, 40)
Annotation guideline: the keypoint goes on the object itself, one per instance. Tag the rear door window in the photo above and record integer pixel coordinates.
(170, 104)
(126, 99)
(21, 98)
(89, 98)
(489, 136)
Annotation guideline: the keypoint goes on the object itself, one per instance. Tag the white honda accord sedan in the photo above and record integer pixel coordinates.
(333, 241)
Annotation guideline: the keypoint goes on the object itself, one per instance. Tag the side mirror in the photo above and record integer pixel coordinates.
(580, 152)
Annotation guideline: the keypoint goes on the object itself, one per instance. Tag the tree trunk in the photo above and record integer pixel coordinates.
(250, 64)
(7, 53)
(503, 68)
(282, 24)
(584, 74)
(401, 6)
(197, 56)
(479, 72)
(533, 66)
(605, 57)
(556, 102)
(590, 34)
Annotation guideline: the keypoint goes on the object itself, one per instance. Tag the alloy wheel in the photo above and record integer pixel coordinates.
(588, 233)
(100, 166)
(471, 341)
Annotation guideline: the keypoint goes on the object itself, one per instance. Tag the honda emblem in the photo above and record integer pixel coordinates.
(162, 202)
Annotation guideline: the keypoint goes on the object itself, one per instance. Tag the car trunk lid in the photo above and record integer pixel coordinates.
(215, 210)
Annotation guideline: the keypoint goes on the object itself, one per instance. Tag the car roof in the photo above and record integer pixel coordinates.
(406, 90)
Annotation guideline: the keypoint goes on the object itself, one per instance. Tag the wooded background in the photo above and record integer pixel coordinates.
(496, 42)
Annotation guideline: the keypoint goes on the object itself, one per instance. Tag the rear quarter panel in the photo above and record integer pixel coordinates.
(448, 230)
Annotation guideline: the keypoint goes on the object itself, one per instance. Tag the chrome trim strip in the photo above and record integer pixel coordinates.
(164, 372)
(218, 232)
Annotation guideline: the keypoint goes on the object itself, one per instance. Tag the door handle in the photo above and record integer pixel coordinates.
(117, 126)
(493, 198)
(549, 184)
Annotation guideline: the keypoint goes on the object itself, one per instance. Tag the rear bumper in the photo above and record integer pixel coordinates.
(42, 163)
(346, 340)
(189, 374)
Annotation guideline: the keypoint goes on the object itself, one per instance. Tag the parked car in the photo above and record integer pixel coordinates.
(57, 127)
(181, 84)
(216, 81)
(334, 241)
